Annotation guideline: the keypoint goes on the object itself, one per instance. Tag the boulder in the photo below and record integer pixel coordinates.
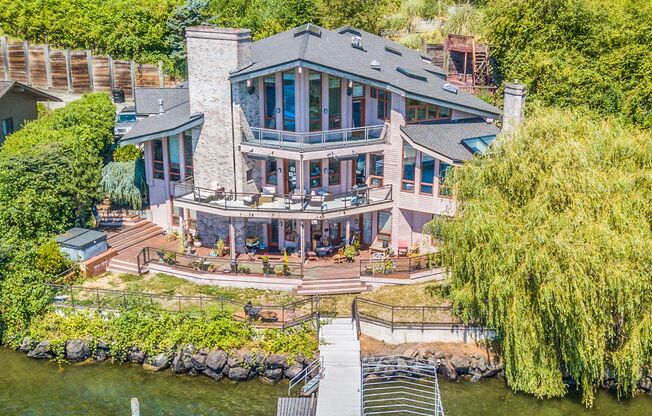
(239, 373)
(26, 345)
(225, 371)
(198, 361)
(259, 359)
(248, 359)
(446, 369)
(157, 363)
(461, 364)
(182, 363)
(216, 360)
(134, 355)
(410, 352)
(276, 361)
(301, 359)
(479, 364)
(273, 374)
(234, 360)
(439, 355)
(100, 354)
(476, 377)
(42, 351)
(293, 370)
(103, 345)
(77, 350)
(492, 369)
(215, 375)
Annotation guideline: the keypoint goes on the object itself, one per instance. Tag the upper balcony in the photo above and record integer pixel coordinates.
(321, 205)
(318, 140)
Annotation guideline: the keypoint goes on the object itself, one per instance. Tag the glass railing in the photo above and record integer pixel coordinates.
(306, 142)
(321, 202)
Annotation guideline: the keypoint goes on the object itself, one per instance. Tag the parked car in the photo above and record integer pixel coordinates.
(124, 121)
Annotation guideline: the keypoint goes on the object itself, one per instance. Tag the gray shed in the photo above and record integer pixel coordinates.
(81, 244)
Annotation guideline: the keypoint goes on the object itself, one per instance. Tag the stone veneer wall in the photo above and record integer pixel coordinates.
(228, 111)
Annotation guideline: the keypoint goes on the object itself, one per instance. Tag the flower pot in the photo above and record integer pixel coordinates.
(197, 244)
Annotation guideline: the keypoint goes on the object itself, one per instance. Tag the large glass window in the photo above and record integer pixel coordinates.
(360, 169)
(289, 110)
(358, 90)
(174, 158)
(271, 169)
(427, 173)
(334, 172)
(334, 103)
(409, 164)
(315, 173)
(269, 85)
(383, 105)
(376, 169)
(314, 101)
(187, 153)
(157, 159)
(444, 190)
(417, 111)
(384, 222)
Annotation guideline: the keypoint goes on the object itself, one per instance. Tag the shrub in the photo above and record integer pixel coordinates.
(124, 183)
(128, 153)
(50, 260)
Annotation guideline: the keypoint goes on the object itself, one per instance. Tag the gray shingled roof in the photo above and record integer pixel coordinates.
(80, 238)
(147, 99)
(332, 52)
(6, 86)
(173, 121)
(445, 137)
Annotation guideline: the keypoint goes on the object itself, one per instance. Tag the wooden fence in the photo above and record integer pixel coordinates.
(76, 72)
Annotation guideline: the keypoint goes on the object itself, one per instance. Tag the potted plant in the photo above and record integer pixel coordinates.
(170, 258)
(279, 270)
(244, 269)
(197, 240)
(220, 247)
(286, 263)
(349, 252)
(266, 268)
(388, 266)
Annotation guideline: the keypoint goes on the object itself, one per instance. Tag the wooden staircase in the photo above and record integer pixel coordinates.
(330, 286)
(135, 231)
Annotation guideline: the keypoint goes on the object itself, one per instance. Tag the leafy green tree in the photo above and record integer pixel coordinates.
(550, 246)
(363, 14)
(593, 53)
(124, 183)
(192, 13)
(127, 153)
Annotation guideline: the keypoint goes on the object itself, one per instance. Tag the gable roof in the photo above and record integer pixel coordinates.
(172, 121)
(7, 86)
(445, 138)
(146, 99)
(400, 69)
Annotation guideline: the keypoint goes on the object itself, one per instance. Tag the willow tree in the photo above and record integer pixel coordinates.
(552, 246)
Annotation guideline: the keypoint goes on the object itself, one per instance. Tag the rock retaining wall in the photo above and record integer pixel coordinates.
(216, 364)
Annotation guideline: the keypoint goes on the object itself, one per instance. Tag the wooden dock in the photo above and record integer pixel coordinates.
(296, 406)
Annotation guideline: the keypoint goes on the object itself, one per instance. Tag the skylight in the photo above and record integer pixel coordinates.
(393, 50)
(411, 74)
(478, 144)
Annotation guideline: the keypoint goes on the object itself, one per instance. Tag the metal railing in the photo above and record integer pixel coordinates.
(404, 317)
(246, 201)
(399, 385)
(312, 371)
(310, 141)
(400, 267)
(286, 315)
(190, 262)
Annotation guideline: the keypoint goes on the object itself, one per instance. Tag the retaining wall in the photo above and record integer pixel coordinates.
(447, 333)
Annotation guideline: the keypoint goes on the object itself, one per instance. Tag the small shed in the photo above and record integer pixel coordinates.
(81, 244)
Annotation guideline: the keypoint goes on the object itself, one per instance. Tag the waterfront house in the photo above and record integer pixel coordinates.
(311, 138)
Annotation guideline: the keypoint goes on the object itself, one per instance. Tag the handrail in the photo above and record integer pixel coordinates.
(318, 140)
(251, 201)
(318, 363)
(404, 316)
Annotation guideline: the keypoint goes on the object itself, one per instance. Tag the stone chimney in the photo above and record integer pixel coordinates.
(161, 109)
(514, 107)
(213, 53)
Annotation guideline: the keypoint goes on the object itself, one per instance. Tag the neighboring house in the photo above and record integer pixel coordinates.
(18, 105)
(308, 137)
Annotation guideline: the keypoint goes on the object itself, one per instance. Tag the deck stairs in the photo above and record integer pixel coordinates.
(137, 232)
(333, 285)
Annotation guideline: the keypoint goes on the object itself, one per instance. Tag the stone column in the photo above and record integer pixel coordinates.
(348, 229)
(514, 107)
(232, 239)
(302, 239)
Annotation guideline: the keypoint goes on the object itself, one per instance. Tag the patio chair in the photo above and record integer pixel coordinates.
(251, 200)
(402, 248)
(317, 200)
(252, 312)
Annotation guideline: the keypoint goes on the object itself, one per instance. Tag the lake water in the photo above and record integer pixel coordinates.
(31, 387)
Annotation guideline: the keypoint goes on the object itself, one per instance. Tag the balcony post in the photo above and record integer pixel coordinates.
(232, 239)
(302, 243)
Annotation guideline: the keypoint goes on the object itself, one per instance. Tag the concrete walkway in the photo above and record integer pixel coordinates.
(339, 390)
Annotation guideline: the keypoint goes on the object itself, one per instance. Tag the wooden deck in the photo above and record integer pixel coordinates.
(296, 406)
